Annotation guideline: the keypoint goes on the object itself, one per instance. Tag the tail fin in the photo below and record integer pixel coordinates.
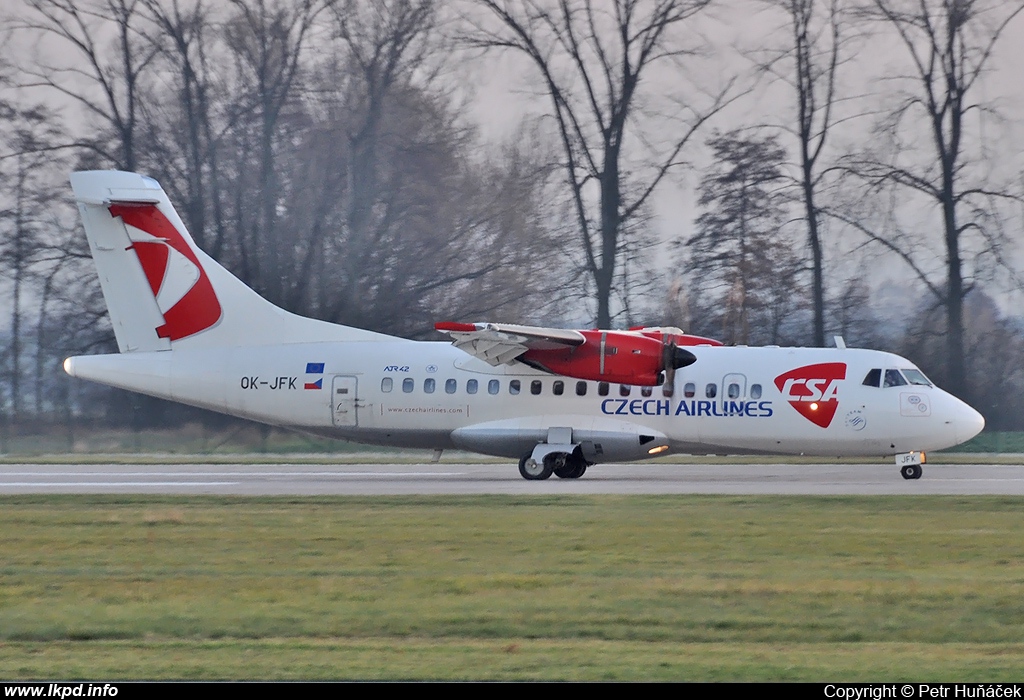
(164, 292)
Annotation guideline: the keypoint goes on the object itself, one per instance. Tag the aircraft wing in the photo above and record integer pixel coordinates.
(502, 343)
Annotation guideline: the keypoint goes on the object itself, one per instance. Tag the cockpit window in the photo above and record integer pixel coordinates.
(916, 376)
(894, 378)
(873, 378)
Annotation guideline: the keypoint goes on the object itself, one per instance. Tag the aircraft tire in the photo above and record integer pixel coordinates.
(573, 469)
(531, 470)
(911, 471)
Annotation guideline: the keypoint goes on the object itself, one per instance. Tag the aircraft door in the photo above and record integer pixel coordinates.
(734, 393)
(343, 402)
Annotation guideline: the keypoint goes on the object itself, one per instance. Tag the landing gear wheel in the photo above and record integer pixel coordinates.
(572, 470)
(532, 470)
(911, 471)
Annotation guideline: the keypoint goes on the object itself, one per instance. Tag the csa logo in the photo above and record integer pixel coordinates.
(182, 290)
(812, 390)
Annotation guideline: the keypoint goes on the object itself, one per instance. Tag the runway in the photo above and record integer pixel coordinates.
(458, 478)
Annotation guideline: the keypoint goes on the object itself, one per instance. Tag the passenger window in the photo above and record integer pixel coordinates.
(428, 385)
(535, 387)
(624, 389)
(602, 388)
(734, 391)
(894, 378)
(493, 386)
(450, 386)
(711, 391)
(408, 385)
(558, 388)
(646, 390)
(514, 387)
(386, 384)
(471, 386)
(873, 378)
(581, 388)
(667, 390)
(755, 391)
(690, 390)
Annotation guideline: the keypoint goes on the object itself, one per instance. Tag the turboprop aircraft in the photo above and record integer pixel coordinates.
(557, 400)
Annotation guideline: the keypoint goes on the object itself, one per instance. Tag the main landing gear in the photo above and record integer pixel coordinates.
(562, 465)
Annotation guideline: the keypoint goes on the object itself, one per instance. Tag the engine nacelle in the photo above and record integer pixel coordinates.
(601, 439)
(612, 356)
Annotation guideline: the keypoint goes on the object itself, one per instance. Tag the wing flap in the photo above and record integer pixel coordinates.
(502, 343)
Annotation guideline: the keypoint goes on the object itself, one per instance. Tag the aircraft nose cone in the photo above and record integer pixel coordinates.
(968, 423)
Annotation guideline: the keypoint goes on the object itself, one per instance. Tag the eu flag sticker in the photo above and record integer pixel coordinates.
(314, 368)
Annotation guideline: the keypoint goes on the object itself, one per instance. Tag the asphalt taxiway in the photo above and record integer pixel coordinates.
(498, 478)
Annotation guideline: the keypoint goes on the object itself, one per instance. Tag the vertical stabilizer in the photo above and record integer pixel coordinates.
(161, 290)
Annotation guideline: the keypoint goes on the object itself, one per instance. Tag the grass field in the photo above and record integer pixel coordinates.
(604, 587)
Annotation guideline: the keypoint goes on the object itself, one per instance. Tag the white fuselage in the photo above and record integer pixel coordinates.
(432, 395)
(190, 331)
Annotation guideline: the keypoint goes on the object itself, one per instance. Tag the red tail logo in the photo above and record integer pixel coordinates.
(182, 290)
(813, 390)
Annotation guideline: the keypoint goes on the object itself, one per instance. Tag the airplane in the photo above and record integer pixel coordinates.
(559, 401)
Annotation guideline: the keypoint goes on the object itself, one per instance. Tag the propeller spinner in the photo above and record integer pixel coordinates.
(674, 357)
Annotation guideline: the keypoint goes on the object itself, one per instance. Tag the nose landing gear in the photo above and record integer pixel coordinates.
(911, 471)
(910, 464)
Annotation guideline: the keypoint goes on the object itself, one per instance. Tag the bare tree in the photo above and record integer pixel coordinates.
(104, 78)
(592, 58)
(25, 247)
(384, 45)
(445, 233)
(949, 44)
(268, 40)
(182, 128)
(810, 66)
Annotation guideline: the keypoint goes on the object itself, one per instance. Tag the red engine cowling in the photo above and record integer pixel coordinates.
(674, 335)
(611, 356)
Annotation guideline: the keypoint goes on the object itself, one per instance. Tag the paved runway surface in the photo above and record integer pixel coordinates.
(456, 478)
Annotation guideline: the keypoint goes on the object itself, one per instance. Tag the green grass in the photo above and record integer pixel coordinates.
(992, 441)
(493, 587)
(237, 438)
